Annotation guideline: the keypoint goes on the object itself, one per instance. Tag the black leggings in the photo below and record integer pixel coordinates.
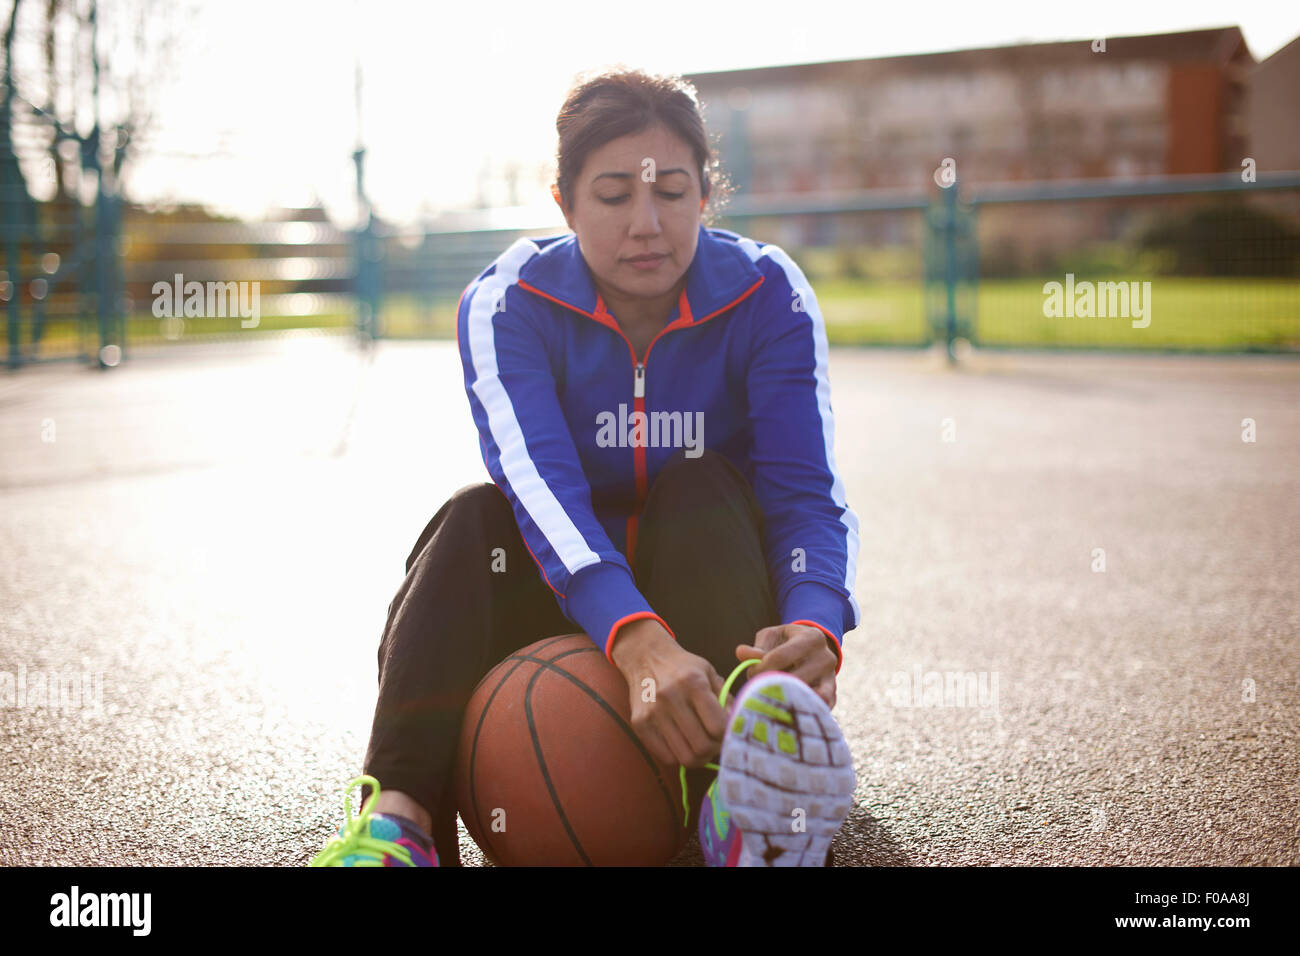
(699, 562)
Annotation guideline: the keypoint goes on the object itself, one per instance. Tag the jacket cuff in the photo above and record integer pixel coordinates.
(831, 640)
(602, 597)
(639, 615)
(819, 606)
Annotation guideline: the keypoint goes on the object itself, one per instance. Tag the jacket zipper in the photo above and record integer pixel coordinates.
(638, 403)
(638, 382)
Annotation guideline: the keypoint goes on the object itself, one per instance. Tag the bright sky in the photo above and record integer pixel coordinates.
(450, 86)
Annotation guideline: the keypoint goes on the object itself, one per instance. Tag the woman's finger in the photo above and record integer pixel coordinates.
(712, 718)
(654, 742)
(769, 638)
(699, 741)
(788, 655)
(812, 670)
(825, 689)
(679, 751)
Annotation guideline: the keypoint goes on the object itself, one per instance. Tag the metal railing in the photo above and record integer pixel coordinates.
(1217, 258)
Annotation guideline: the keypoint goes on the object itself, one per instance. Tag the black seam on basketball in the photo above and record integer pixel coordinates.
(541, 764)
(473, 750)
(558, 657)
(619, 722)
(548, 664)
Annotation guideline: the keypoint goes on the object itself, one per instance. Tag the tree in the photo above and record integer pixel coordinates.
(91, 68)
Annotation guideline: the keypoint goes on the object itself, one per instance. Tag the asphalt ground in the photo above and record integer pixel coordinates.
(216, 532)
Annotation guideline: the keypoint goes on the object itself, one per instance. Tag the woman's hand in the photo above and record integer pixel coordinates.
(675, 709)
(799, 650)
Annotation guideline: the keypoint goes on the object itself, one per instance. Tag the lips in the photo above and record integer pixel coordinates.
(647, 263)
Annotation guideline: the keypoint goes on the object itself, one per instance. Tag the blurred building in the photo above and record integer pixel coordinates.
(1169, 103)
(1273, 113)
(1148, 105)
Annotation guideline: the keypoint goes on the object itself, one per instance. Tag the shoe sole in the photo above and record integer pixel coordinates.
(786, 773)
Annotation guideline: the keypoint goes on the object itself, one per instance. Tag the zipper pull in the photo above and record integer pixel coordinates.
(638, 383)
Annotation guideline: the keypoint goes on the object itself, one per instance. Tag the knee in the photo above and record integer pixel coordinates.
(483, 496)
(710, 475)
(473, 512)
(706, 460)
(483, 507)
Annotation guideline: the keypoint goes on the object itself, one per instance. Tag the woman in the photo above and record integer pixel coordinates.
(653, 407)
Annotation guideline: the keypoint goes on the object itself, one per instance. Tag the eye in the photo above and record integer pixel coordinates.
(615, 200)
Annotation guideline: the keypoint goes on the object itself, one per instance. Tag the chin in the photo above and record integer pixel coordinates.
(659, 281)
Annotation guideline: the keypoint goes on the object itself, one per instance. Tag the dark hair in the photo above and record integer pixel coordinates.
(622, 102)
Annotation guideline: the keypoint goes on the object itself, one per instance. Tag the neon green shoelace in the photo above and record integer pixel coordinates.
(722, 699)
(356, 838)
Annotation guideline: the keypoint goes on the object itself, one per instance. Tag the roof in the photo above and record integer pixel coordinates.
(1219, 45)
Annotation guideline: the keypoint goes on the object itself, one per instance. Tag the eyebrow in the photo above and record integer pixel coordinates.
(662, 172)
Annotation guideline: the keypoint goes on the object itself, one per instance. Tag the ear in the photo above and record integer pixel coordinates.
(559, 201)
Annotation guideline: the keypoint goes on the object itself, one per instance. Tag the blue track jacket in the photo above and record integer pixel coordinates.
(574, 427)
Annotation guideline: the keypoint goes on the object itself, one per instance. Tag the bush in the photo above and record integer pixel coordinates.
(1227, 238)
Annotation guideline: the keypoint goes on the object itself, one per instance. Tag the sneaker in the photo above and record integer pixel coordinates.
(719, 839)
(786, 782)
(374, 839)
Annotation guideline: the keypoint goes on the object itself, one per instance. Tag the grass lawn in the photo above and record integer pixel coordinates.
(1202, 314)
(1227, 314)
(1230, 314)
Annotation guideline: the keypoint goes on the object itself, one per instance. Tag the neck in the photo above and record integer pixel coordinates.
(633, 309)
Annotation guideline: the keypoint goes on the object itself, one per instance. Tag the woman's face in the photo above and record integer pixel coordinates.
(618, 215)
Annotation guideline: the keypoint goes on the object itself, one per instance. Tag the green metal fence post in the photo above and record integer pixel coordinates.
(104, 251)
(950, 268)
(367, 252)
(366, 249)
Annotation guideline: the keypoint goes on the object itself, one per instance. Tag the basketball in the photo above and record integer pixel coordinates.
(550, 771)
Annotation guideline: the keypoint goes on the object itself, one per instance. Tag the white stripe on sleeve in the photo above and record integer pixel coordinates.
(795, 277)
(520, 471)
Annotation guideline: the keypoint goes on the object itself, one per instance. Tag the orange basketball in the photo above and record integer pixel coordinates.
(550, 772)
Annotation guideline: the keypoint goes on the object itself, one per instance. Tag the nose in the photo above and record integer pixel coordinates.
(645, 217)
